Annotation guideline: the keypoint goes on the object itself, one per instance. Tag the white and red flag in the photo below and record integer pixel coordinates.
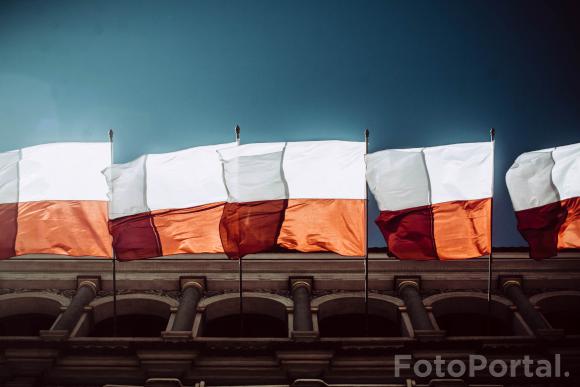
(53, 200)
(257, 198)
(167, 204)
(435, 202)
(323, 205)
(544, 187)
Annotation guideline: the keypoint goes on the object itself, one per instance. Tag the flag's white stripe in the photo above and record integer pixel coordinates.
(257, 177)
(529, 180)
(256, 149)
(398, 179)
(60, 171)
(9, 177)
(460, 171)
(187, 178)
(546, 176)
(566, 171)
(316, 169)
(325, 169)
(182, 179)
(128, 194)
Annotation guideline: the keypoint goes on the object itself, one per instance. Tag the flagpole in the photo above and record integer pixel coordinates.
(366, 250)
(114, 255)
(490, 260)
(240, 271)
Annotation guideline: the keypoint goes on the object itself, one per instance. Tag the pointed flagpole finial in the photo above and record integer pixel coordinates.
(237, 130)
(367, 132)
(111, 135)
(492, 134)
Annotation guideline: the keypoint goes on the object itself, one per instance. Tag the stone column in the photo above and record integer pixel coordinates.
(86, 292)
(301, 289)
(301, 296)
(512, 288)
(191, 293)
(409, 291)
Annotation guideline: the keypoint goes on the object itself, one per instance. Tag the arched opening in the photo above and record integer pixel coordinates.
(263, 316)
(250, 325)
(28, 324)
(138, 315)
(26, 314)
(561, 310)
(469, 315)
(472, 324)
(355, 325)
(133, 325)
(344, 316)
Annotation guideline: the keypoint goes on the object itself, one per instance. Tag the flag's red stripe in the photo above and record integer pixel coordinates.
(409, 232)
(135, 237)
(8, 225)
(252, 227)
(569, 235)
(540, 227)
(335, 225)
(309, 225)
(451, 230)
(462, 229)
(190, 230)
(66, 227)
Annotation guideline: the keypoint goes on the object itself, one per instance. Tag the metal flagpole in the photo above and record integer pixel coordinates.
(490, 260)
(366, 242)
(114, 255)
(240, 272)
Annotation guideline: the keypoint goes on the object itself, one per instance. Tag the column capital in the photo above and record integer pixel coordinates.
(296, 282)
(404, 281)
(192, 282)
(512, 280)
(92, 282)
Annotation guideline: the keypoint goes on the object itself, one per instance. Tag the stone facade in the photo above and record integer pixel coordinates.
(304, 321)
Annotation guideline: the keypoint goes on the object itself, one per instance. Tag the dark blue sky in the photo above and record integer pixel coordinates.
(173, 74)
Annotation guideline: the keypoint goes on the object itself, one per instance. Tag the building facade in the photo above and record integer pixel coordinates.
(304, 321)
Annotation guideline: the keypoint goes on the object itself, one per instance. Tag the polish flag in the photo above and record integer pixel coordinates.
(324, 204)
(53, 200)
(167, 204)
(544, 187)
(435, 202)
(257, 198)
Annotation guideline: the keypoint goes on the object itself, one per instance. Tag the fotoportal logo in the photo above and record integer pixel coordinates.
(477, 365)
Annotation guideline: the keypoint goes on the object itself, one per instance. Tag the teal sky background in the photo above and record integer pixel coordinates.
(173, 74)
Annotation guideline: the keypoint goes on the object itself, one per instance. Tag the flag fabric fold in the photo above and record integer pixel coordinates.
(435, 203)
(327, 193)
(174, 203)
(257, 198)
(53, 200)
(544, 187)
(167, 204)
(323, 205)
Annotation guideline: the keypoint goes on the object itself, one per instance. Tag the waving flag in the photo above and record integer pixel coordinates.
(327, 192)
(257, 198)
(324, 207)
(53, 200)
(166, 204)
(544, 187)
(435, 202)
